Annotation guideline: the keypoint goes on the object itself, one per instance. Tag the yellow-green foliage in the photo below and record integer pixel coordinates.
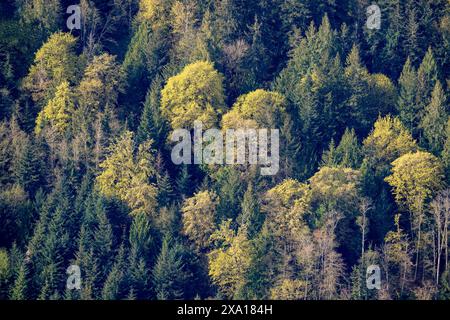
(259, 108)
(332, 183)
(102, 82)
(289, 290)
(57, 113)
(230, 262)
(54, 63)
(287, 193)
(4, 264)
(388, 140)
(446, 151)
(199, 216)
(194, 94)
(126, 176)
(383, 90)
(415, 178)
(153, 11)
(285, 206)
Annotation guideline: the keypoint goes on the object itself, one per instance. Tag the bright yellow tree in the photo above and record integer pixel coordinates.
(199, 217)
(259, 108)
(126, 176)
(388, 140)
(194, 94)
(57, 113)
(54, 63)
(415, 178)
(230, 261)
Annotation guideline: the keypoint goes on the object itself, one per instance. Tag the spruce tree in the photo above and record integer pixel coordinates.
(427, 76)
(169, 274)
(251, 219)
(407, 107)
(113, 288)
(19, 289)
(434, 121)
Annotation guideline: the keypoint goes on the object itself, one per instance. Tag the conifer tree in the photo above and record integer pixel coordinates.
(435, 119)
(19, 289)
(169, 273)
(406, 103)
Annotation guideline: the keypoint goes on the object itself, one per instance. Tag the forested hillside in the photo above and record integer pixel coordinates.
(87, 178)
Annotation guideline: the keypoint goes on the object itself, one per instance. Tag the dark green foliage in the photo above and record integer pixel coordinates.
(170, 275)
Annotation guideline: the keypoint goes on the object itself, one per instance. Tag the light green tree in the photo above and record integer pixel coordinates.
(194, 94)
(199, 217)
(126, 174)
(54, 63)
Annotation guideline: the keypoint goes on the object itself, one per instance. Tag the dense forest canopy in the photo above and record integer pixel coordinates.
(87, 182)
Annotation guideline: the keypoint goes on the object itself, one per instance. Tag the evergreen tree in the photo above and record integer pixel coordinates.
(251, 219)
(434, 121)
(427, 76)
(19, 289)
(113, 288)
(152, 124)
(406, 104)
(169, 273)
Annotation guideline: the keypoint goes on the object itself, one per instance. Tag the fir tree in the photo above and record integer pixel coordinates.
(169, 274)
(19, 289)
(434, 121)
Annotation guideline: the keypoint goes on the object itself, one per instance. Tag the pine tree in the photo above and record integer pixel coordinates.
(169, 274)
(19, 289)
(427, 76)
(152, 124)
(357, 78)
(184, 182)
(165, 190)
(434, 121)
(138, 276)
(28, 168)
(113, 288)
(406, 103)
(329, 157)
(103, 239)
(348, 151)
(250, 219)
(140, 238)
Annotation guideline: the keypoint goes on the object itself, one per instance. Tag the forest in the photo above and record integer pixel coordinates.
(88, 187)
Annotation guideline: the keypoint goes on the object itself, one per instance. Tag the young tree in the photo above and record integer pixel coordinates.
(397, 261)
(251, 219)
(19, 289)
(113, 288)
(347, 154)
(440, 208)
(152, 124)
